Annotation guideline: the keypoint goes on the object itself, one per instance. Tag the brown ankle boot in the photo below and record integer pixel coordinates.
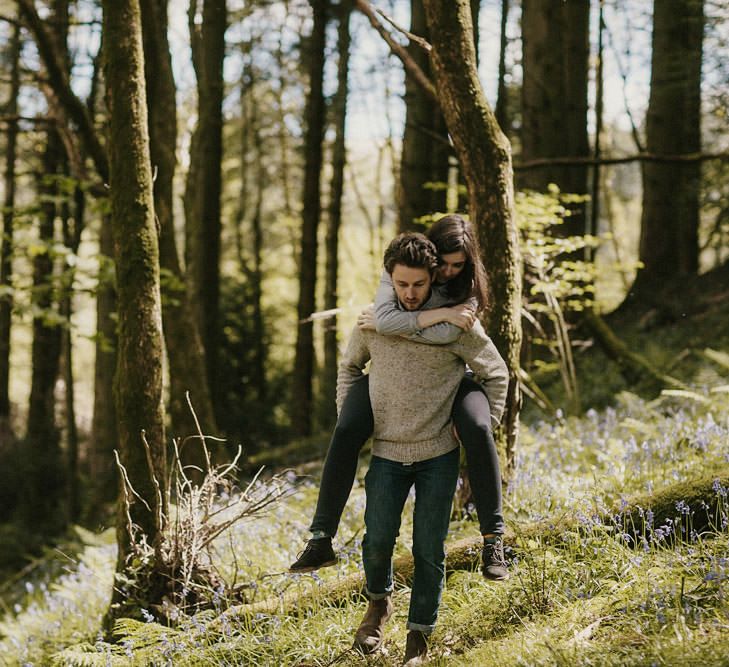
(370, 632)
(416, 649)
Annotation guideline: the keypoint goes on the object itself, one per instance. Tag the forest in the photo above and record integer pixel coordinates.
(196, 199)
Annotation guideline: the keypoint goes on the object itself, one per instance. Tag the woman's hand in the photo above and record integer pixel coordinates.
(366, 319)
(462, 315)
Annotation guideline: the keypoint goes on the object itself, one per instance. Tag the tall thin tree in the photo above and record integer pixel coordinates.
(44, 492)
(425, 149)
(187, 369)
(204, 180)
(302, 390)
(138, 384)
(339, 159)
(6, 240)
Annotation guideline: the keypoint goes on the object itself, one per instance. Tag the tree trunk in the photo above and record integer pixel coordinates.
(104, 432)
(44, 495)
(6, 240)
(556, 49)
(502, 95)
(425, 148)
(71, 240)
(484, 156)
(185, 350)
(339, 159)
(302, 398)
(669, 223)
(138, 381)
(204, 179)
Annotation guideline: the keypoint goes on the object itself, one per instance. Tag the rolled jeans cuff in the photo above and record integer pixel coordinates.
(319, 534)
(425, 629)
(378, 596)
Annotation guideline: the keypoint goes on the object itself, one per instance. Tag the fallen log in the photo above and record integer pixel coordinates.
(634, 367)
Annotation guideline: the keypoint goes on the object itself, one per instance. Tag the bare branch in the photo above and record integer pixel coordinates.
(399, 50)
(417, 39)
(685, 158)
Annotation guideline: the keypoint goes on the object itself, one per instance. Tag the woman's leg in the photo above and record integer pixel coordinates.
(354, 427)
(472, 418)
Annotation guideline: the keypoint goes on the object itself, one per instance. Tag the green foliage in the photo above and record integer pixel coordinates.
(585, 595)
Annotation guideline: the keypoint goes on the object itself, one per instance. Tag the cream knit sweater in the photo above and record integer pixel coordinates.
(412, 387)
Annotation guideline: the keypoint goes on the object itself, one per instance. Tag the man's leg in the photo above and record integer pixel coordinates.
(387, 485)
(354, 426)
(435, 484)
(472, 418)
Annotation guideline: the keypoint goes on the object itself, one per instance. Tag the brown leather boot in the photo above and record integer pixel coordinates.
(416, 649)
(370, 632)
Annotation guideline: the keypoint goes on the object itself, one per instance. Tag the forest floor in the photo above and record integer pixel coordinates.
(618, 543)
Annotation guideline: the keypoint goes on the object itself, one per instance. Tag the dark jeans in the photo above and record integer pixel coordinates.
(387, 485)
(472, 418)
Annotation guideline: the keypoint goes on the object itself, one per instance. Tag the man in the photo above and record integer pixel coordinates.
(412, 387)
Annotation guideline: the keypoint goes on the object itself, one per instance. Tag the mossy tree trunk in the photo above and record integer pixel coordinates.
(484, 157)
(204, 179)
(138, 382)
(185, 350)
(302, 389)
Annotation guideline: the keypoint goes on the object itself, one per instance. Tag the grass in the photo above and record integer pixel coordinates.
(590, 598)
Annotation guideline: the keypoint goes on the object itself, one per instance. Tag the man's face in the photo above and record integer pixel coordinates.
(412, 285)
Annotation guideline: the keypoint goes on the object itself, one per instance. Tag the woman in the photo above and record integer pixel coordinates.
(460, 281)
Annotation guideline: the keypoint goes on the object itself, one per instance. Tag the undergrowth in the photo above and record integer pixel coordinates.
(591, 597)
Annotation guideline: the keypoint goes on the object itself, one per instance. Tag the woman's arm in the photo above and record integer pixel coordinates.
(437, 326)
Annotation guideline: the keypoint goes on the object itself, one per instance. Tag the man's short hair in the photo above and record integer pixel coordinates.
(411, 249)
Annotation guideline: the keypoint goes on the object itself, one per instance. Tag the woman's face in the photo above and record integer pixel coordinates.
(451, 264)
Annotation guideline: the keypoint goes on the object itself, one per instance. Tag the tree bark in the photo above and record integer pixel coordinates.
(302, 393)
(204, 179)
(555, 47)
(184, 345)
(484, 156)
(339, 159)
(138, 381)
(670, 218)
(425, 148)
(44, 494)
(6, 240)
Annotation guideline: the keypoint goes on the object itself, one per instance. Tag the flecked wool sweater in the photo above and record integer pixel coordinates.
(412, 387)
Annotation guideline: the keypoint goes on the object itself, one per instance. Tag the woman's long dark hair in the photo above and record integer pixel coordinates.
(453, 233)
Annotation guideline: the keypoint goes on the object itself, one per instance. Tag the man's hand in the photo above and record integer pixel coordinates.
(366, 319)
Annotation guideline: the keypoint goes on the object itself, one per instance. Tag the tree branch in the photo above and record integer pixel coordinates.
(685, 158)
(417, 39)
(411, 67)
(58, 79)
